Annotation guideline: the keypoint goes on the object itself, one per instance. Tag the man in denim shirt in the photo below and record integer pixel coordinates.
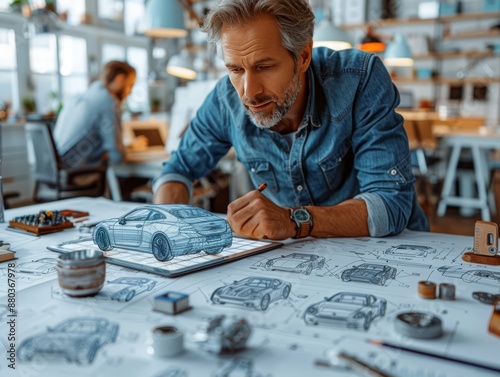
(318, 126)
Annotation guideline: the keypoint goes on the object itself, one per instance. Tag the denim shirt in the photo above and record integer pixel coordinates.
(351, 144)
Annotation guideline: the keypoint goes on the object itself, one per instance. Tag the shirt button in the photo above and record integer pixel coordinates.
(340, 159)
(299, 188)
(252, 170)
(394, 172)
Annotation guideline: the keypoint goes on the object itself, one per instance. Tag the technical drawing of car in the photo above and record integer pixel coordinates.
(296, 262)
(239, 366)
(470, 276)
(369, 273)
(77, 340)
(125, 288)
(41, 266)
(165, 230)
(253, 292)
(410, 250)
(352, 310)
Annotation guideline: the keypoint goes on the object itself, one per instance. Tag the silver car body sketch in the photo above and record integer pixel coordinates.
(471, 275)
(165, 230)
(410, 251)
(253, 292)
(77, 340)
(296, 262)
(348, 309)
(369, 273)
(126, 288)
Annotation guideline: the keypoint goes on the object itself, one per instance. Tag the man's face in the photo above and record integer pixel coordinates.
(261, 70)
(122, 85)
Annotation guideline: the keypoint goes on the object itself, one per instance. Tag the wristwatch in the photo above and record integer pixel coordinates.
(304, 221)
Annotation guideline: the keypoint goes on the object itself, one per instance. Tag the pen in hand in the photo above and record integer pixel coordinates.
(262, 187)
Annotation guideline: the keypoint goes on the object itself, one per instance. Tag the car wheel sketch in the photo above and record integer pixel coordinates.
(41, 266)
(77, 340)
(369, 273)
(126, 288)
(253, 292)
(412, 251)
(296, 262)
(471, 276)
(165, 230)
(352, 310)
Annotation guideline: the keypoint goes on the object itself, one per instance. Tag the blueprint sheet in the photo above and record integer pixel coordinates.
(285, 294)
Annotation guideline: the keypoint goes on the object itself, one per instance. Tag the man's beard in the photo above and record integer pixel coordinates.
(263, 120)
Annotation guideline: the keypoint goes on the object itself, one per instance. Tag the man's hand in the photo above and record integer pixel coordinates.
(255, 216)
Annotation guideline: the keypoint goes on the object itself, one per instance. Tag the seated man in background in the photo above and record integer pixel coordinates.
(88, 130)
(318, 126)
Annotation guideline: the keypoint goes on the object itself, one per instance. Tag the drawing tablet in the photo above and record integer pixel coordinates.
(241, 248)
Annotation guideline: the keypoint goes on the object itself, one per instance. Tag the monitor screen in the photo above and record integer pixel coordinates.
(152, 134)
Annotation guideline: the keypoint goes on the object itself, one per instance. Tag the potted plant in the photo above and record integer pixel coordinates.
(29, 105)
(17, 5)
(155, 104)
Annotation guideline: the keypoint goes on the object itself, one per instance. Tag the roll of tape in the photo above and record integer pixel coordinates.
(166, 341)
(427, 289)
(419, 325)
(447, 291)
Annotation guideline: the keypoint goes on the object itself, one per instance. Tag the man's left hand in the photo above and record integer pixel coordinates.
(255, 216)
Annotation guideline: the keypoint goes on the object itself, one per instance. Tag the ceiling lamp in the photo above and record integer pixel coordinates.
(181, 65)
(398, 53)
(372, 42)
(164, 19)
(326, 34)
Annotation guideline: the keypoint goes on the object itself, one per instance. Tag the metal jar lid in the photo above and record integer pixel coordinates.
(80, 258)
(419, 325)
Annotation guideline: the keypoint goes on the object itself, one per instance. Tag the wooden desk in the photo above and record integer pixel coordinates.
(282, 342)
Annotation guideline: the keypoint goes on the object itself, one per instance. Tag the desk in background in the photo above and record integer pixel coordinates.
(282, 343)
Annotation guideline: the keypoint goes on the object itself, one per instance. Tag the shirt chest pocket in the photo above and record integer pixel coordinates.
(261, 171)
(335, 164)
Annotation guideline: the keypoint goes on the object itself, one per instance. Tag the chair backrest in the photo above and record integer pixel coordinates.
(42, 153)
(411, 131)
(425, 134)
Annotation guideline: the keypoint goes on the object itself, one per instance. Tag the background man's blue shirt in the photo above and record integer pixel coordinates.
(351, 144)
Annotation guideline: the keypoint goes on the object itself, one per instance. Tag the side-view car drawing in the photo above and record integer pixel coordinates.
(77, 340)
(410, 251)
(253, 292)
(296, 262)
(352, 310)
(165, 230)
(369, 273)
(472, 275)
(126, 288)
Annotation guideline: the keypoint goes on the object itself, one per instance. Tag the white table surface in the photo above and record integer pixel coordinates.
(282, 344)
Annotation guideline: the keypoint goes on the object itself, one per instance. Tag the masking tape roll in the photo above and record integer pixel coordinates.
(427, 289)
(166, 341)
(419, 325)
(447, 291)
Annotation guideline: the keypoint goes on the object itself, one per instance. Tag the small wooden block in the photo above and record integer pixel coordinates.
(494, 326)
(482, 259)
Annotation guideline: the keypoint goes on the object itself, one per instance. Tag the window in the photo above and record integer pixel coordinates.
(134, 14)
(74, 8)
(112, 52)
(4, 5)
(8, 69)
(43, 61)
(110, 9)
(73, 66)
(138, 99)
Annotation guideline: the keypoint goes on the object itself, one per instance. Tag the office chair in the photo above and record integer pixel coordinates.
(49, 172)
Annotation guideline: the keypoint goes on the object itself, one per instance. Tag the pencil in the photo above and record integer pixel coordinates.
(361, 367)
(441, 357)
(262, 187)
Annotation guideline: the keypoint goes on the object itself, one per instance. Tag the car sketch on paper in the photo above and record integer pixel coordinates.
(76, 340)
(165, 230)
(369, 273)
(348, 309)
(412, 251)
(253, 292)
(126, 288)
(471, 276)
(41, 266)
(296, 262)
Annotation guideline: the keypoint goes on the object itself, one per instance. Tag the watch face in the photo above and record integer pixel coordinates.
(301, 215)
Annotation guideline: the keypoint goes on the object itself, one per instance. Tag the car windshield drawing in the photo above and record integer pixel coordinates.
(252, 292)
(471, 275)
(369, 273)
(41, 266)
(296, 262)
(126, 288)
(165, 230)
(410, 250)
(77, 340)
(347, 309)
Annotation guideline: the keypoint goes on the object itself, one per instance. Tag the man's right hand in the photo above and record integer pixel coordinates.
(172, 192)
